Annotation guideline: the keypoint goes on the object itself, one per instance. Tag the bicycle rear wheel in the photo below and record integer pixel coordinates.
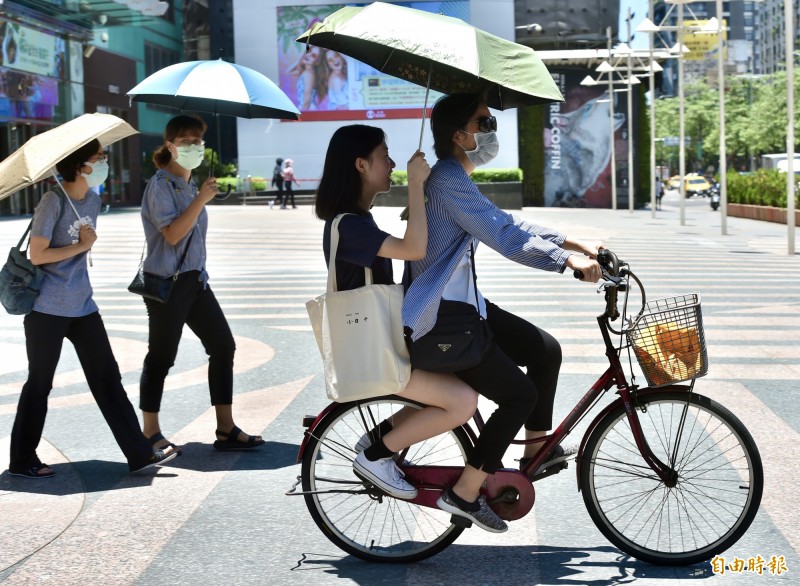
(719, 479)
(360, 519)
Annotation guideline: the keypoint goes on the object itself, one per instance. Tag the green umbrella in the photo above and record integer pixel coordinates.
(438, 52)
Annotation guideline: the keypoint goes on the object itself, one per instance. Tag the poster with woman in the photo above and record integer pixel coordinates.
(327, 85)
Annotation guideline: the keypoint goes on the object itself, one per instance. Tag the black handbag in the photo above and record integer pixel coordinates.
(460, 339)
(20, 279)
(156, 287)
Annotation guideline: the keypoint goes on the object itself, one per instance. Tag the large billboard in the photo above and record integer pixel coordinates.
(326, 85)
(578, 144)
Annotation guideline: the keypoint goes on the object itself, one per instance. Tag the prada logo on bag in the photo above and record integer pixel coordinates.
(444, 347)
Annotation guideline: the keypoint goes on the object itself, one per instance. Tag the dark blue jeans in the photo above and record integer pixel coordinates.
(523, 398)
(44, 337)
(189, 304)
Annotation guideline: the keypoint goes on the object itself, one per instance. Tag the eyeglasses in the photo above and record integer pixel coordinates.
(487, 124)
(100, 158)
(189, 142)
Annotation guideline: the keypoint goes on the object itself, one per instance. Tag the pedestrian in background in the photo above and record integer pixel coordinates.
(659, 192)
(277, 181)
(288, 179)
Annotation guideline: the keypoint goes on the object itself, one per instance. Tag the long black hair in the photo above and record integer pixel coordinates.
(339, 189)
(450, 114)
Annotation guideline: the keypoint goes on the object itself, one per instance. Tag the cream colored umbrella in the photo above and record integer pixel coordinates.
(35, 160)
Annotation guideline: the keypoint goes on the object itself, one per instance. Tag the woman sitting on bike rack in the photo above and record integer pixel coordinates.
(357, 168)
(460, 216)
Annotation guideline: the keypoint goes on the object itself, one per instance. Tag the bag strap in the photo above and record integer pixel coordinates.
(30, 225)
(334, 246)
(180, 264)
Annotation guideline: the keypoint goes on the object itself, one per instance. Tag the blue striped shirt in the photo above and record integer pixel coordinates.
(458, 213)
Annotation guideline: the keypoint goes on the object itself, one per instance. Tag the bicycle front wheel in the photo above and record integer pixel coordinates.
(356, 517)
(719, 479)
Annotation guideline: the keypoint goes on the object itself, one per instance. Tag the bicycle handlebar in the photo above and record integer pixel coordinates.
(609, 264)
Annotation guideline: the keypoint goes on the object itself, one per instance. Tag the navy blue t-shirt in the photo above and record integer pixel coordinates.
(359, 242)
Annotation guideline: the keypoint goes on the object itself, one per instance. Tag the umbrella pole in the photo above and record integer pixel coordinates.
(425, 106)
(72, 205)
(219, 146)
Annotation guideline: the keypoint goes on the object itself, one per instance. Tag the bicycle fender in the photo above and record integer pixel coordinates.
(310, 429)
(645, 392)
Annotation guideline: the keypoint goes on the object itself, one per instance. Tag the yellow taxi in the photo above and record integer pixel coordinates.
(696, 185)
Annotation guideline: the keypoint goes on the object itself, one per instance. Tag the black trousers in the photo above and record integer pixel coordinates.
(289, 193)
(189, 304)
(44, 337)
(523, 398)
(278, 182)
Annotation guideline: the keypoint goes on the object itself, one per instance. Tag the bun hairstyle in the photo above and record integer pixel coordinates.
(69, 166)
(175, 127)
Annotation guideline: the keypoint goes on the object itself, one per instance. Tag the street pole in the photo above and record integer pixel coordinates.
(681, 123)
(653, 194)
(723, 155)
(612, 130)
(788, 7)
(630, 116)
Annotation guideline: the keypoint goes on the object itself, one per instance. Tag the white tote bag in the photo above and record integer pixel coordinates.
(360, 335)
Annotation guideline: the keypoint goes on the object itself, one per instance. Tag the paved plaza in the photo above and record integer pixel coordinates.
(213, 518)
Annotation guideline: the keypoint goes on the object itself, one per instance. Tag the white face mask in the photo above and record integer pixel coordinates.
(190, 157)
(98, 175)
(486, 148)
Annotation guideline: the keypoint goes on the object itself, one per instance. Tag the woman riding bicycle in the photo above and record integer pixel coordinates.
(358, 168)
(460, 216)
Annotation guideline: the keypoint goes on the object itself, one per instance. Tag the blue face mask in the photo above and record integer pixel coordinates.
(486, 148)
(98, 175)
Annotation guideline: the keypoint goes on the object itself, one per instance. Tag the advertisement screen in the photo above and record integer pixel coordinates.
(578, 146)
(27, 95)
(326, 85)
(27, 49)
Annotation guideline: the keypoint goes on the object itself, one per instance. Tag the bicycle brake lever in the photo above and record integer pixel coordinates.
(605, 285)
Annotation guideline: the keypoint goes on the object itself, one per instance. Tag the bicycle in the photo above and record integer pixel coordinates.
(669, 476)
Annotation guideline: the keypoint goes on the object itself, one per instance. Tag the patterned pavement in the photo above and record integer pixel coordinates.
(214, 518)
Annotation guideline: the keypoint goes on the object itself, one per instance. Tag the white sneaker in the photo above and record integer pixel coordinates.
(385, 475)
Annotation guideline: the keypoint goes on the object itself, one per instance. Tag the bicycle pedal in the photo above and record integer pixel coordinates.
(460, 521)
(554, 469)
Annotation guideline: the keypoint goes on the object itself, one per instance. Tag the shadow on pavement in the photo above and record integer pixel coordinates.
(473, 564)
(81, 477)
(203, 457)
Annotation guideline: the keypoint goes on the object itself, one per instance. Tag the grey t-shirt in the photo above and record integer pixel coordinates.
(66, 290)
(165, 198)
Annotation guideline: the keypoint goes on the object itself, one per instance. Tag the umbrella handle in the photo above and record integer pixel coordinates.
(425, 106)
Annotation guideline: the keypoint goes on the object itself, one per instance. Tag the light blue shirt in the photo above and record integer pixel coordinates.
(458, 213)
(165, 198)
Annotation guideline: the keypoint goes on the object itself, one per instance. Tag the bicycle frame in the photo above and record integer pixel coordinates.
(512, 490)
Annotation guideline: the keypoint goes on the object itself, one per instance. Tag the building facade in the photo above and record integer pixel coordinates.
(64, 58)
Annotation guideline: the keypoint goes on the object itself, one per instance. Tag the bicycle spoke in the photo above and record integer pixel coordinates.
(715, 495)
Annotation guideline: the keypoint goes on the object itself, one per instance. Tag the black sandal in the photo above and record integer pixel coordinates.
(157, 437)
(232, 442)
(33, 472)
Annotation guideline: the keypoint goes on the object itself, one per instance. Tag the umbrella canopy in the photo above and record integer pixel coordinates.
(413, 44)
(218, 87)
(34, 160)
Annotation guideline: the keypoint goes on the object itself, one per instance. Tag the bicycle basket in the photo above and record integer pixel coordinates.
(668, 340)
